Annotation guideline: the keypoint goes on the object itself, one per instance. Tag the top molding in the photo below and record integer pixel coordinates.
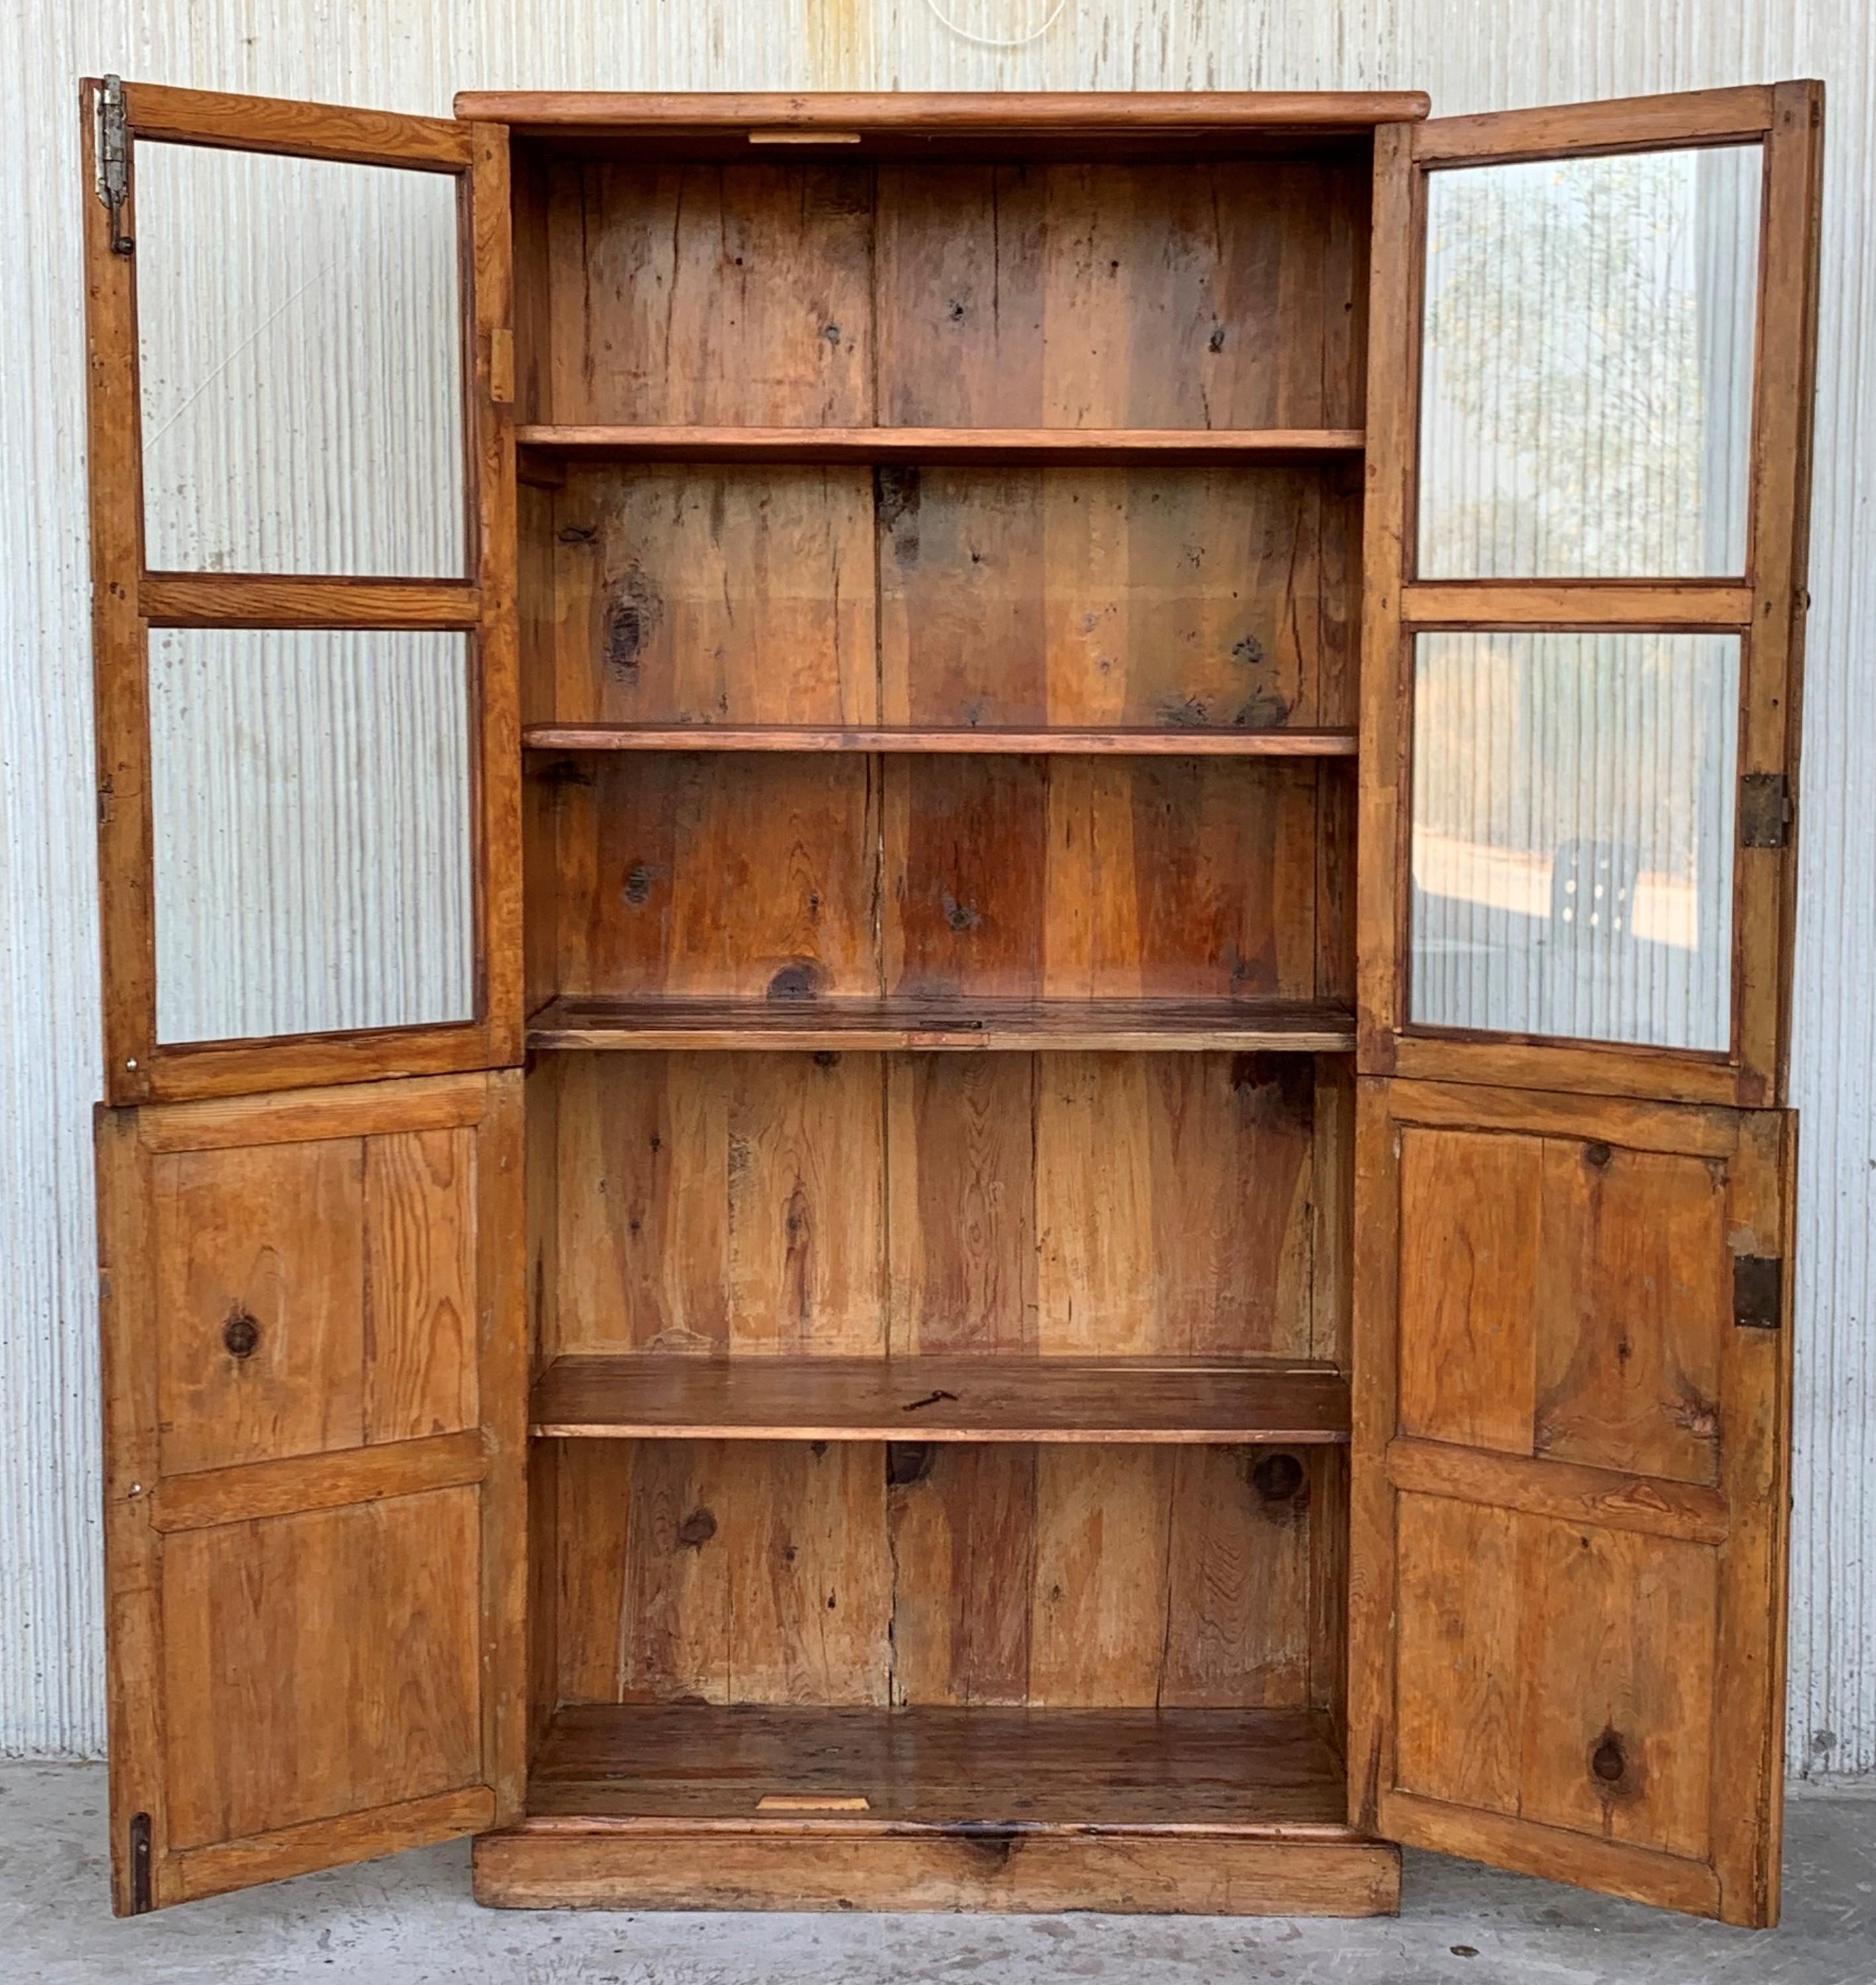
(1094, 113)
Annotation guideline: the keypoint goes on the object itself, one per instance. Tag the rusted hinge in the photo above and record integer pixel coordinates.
(141, 1901)
(1765, 810)
(114, 161)
(1758, 1292)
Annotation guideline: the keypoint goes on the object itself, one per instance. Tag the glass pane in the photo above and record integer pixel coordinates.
(1573, 835)
(310, 796)
(300, 339)
(1586, 383)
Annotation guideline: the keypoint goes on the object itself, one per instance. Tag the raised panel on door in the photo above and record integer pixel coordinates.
(1571, 1469)
(303, 552)
(315, 1373)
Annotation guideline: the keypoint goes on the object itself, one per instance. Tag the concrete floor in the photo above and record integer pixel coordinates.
(410, 1918)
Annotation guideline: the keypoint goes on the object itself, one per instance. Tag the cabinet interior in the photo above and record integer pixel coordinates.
(940, 595)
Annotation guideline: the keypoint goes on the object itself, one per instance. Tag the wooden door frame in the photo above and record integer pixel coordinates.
(129, 599)
(1766, 611)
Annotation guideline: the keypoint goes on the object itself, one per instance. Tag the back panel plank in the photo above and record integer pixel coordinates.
(1091, 879)
(713, 1203)
(711, 293)
(793, 877)
(1212, 294)
(857, 1573)
(1162, 599)
(1121, 599)
(679, 874)
(856, 1204)
(693, 595)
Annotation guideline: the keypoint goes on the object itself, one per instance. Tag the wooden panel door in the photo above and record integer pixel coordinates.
(1572, 1479)
(1589, 435)
(315, 1369)
(303, 553)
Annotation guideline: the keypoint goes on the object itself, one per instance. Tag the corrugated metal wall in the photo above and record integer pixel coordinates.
(1471, 53)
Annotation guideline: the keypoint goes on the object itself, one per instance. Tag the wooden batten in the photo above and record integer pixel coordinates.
(1168, 115)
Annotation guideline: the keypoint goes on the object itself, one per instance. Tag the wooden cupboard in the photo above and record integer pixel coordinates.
(947, 956)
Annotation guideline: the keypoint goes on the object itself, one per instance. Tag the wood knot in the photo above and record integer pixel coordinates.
(907, 1462)
(1597, 1155)
(799, 981)
(241, 1335)
(1608, 1761)
(697, 1530)
(1279, 1478)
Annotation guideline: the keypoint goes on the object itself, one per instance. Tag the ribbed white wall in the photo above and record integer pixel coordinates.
(408, 55)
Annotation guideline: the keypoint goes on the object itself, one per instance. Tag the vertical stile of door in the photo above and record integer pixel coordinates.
(121, 701)
(1525, 1275)
(1786, 386)
(496, 694)
(1393, 318)
(496, 702)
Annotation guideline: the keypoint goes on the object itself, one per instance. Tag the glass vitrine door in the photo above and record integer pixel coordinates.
(304, 637)
(1587, 427)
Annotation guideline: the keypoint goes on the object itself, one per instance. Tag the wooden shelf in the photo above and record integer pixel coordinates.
(685, 1805)
(1247, 1772)
(1194, 743)
(1198, 1025)
(1096, 446)
(1144, 1400)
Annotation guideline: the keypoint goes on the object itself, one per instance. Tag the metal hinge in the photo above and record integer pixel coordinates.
(114, 161)
(1765, 810)
(141, 1899)
(1759, 1291)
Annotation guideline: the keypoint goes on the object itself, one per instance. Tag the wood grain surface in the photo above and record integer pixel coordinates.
(315, 1428)
(1122, 1400)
